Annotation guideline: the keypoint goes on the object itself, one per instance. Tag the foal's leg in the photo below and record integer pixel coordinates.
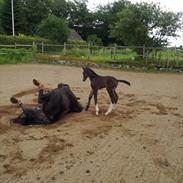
(116, 96)
(112, 97)
(89, 99)
(96, 104)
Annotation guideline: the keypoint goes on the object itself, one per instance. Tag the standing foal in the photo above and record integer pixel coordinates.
(99, 82)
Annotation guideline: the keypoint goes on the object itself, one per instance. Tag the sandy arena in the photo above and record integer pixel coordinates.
(141, 141)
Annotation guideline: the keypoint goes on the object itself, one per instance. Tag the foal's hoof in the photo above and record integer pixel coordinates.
(107, 113)
(97, 113)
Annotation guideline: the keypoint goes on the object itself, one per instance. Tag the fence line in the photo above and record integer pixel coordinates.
(116, 54)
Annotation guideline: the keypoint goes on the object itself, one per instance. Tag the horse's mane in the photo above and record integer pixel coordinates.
(92, 71)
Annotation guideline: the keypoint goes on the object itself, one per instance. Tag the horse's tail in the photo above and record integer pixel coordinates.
(124, 81)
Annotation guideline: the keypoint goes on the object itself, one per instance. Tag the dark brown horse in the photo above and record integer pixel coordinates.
(99, 82)
(51, 105)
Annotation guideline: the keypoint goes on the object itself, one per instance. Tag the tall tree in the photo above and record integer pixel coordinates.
(145, 24)
(1, 28)
(53, 28)
(58, 8)
(80, 18)
(106, 16)
(35, 11)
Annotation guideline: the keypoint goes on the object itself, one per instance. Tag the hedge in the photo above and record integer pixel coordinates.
(22, 39)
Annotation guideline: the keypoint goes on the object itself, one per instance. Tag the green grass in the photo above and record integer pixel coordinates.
(14, 56)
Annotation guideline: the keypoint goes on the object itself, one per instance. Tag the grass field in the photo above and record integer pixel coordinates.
(148, 58)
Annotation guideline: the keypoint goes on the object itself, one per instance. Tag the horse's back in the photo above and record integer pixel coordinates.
(111, 82)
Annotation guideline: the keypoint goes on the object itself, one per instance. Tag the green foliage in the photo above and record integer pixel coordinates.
(53, 28)
(76, 42)
(35, 11)
(94, 40)
(13, 56)
(119, 22)
(145, 24)
(6, 17)
(1, 28)
(80, 18)
(58, 8)
(106, 16)
(22, 39)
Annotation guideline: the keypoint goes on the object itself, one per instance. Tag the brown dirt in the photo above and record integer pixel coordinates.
(141, 141)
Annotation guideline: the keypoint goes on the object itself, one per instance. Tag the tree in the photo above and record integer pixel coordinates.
(58, 8)
(145, 24)
(1, 28)
(80, 18)
(6, 17)
(35, 11)
(105, 17)
(53, 28)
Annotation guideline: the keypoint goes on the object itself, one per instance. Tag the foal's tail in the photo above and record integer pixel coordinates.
(124, 81)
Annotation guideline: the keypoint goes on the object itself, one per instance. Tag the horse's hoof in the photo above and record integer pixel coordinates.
(107, 113)
(35, 82)
(97, 113)
(14, 100)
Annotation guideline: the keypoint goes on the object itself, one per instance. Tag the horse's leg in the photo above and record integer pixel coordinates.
(89, 99)
(96, 104)
(116, 96)
(112, 97)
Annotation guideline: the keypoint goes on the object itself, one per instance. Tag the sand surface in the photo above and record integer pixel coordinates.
(141, 141)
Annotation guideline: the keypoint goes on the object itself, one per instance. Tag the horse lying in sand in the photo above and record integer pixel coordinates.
(51, 105)
(99, 82)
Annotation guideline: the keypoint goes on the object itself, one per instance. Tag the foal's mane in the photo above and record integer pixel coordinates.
(91, 71)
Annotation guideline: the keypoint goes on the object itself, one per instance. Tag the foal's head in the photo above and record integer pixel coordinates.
(85, 73)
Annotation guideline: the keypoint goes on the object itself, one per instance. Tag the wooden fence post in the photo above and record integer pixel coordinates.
(177, 60)
(144, 49)
(175, 54)
(88, 51)
(168, 61)
(42, 47)
(146, 58)
(65, 48)
(115, 45)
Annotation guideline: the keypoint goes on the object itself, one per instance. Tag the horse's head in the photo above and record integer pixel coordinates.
(85, 73)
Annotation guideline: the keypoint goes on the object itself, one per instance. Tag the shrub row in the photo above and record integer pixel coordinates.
(21, 39)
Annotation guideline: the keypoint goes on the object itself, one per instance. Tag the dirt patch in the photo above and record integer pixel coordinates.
(26, 92)
(140, 141)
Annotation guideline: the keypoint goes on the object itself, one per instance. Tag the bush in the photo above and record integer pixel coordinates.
(21, 39)
(94, 40)
(13, 56)
(76, 42)
(53, 28)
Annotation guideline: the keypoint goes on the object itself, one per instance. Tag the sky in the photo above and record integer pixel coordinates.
(170, 5)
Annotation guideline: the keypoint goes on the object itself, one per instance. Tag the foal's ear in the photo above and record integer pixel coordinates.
(83, 67)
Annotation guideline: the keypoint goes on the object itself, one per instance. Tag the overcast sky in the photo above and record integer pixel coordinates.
(170, 5)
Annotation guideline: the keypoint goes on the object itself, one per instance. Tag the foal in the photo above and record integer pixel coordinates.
(99, 82)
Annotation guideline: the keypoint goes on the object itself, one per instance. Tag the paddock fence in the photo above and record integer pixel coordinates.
(129, 56)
